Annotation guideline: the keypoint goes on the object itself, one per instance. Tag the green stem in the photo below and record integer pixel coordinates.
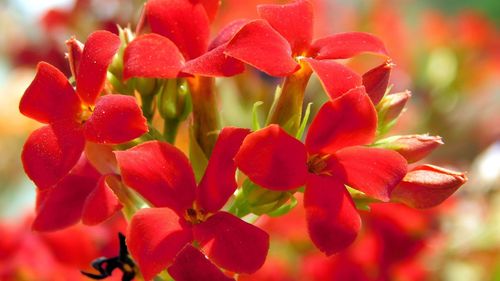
(131, 203)
(148, 106)
(170, 128)
(205, 112)
(286, 110)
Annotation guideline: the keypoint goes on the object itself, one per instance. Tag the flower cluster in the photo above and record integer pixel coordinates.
(101, 151)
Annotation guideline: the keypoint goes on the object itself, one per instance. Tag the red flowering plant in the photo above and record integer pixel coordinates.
(192, 218)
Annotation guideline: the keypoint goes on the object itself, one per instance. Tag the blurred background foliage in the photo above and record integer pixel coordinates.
(446, 52)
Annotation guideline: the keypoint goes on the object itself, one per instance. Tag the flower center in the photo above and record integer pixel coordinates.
(317, 164)
(87, 111)
(195, 216)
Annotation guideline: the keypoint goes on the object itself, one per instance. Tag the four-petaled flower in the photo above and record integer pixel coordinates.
(279, 42)
(73, 117)
(333, 156)
(184, 213)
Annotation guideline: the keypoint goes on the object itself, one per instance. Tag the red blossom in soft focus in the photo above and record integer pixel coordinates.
(332, 156)
(55, 256)
(393, 239)
(184, 213)
(279, 42)
(73, 117)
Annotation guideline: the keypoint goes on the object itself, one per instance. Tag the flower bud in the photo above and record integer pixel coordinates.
(427, 186)
(376, 81)
(262, 201)
(258, 200)
(146, 86)
(173, 100)
(411, 147)
(116, 66)
(74, 55)
(389, 109)
(391, 106)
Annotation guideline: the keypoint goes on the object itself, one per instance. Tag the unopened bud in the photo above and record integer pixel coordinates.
(142, 21)
(172, 99)
(389, 109)
(427, 186)
(262, 201)
(376, 81)
(74, 55)
(146, 86)
(411, 147)
(391, 106)
(258, 200)
(116, 66)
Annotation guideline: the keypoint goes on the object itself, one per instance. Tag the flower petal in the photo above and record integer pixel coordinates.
(219, 181)
(348, 120)
(259, 45)
(116, 119)
(273, 159)
(160, 173)
(232, 243)
(184, 22)
(62, 205)
(211, 7)
(374, 171)
(332, 219)
(427, 186)
(101, 203)
(102, 157)
(192, 265)
(99, 50)
(227, 32)
(336, 78)
(154, 237)
(348, 44)
(294, 21)
(51, 151)
(83, 167)
(214, 63)
(50, 97)
(152, 56)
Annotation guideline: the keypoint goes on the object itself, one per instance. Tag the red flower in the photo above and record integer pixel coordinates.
(278, 42)
(180, 42)
(185, 213)
(332, 157)
(72, 117)
(83, 194)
